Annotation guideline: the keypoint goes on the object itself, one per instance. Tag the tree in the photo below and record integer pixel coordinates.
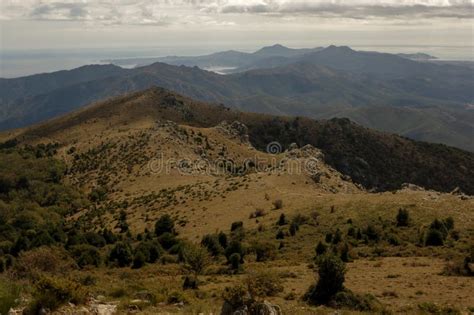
(282, 220)
(235, 247)
(121, 254)
(434, 238)
(264, 251)
(196, 259)
(235, 261)
(320, 248)
(222, 239)
(165, 224)
(331, 280)
(211, 242)
(293, 228)
(402, 217)
(139, 260)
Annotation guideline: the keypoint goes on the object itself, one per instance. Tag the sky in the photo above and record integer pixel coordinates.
(50, 24)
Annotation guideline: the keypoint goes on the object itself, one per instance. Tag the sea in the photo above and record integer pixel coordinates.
(18, 63)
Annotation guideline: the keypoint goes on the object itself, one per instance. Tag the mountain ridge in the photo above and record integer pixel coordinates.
(358, 152)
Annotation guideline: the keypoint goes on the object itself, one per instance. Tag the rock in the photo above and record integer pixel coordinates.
(412, 187)
(264, 308)
(292, 146)
(235, 130)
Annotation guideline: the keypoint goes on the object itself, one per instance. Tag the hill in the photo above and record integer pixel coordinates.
(358, 152)
(139, 202)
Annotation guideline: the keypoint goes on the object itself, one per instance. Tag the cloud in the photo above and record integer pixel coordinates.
(351, 9)
(215, 12)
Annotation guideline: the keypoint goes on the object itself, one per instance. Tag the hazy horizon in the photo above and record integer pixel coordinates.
(17, 63)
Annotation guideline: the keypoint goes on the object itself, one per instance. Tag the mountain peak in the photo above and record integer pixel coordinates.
(335, 48)
(277, 48)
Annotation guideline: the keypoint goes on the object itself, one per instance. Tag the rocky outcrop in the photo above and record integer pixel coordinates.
(235, 130)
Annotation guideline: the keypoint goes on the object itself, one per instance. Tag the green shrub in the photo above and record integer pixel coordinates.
(235, 247)
(403, 217)
(50, 293)
(372, 233)
(235, 261)
(168, 240)
(434, 237)
(337, 237)
(264, 251)
(393, 239)
(222, 239)
(282, 220)
(211, 242)
(196, 258)
(236, 225)
(278, 204)
(294, 227)
(165, 224)
(9, 296)
(139, 260)
(86, 255)
(331, 270)
(320, 248)
(190, 283)
(263, 284)
(349, 300)
(121, 254)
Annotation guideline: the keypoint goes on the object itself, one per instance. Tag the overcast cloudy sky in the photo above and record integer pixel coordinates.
(27, 24)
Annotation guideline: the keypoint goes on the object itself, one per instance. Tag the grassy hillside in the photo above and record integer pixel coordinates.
(150, 203)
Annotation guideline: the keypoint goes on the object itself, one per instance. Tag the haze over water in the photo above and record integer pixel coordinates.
(17, 63)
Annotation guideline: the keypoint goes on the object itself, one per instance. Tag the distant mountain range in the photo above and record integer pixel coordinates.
(421, 100)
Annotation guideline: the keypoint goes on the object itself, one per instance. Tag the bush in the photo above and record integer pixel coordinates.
(403, 217)
(393, 239)
(235, 261)
(263, 284)
(331, 280)
(196, 258)
(372, 233)
(222, 239)
(211, 242)
(434, 238)
(337, 237)
(235, 247)
(139, 260)
(264, 251)
(50, 293)
(43, 260)
(320, 248)
(282, 220)
(294, 227)
(280, 234)
(168, 240)
(151, 249)
(236, 225)
(165, 224)
(9, 296)
(345, 257)
(190, 283)
(278, 204)
(348, 299)
(439, 226)
(86, 255)
(449, 223)
(121, 254)
(95, 239)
